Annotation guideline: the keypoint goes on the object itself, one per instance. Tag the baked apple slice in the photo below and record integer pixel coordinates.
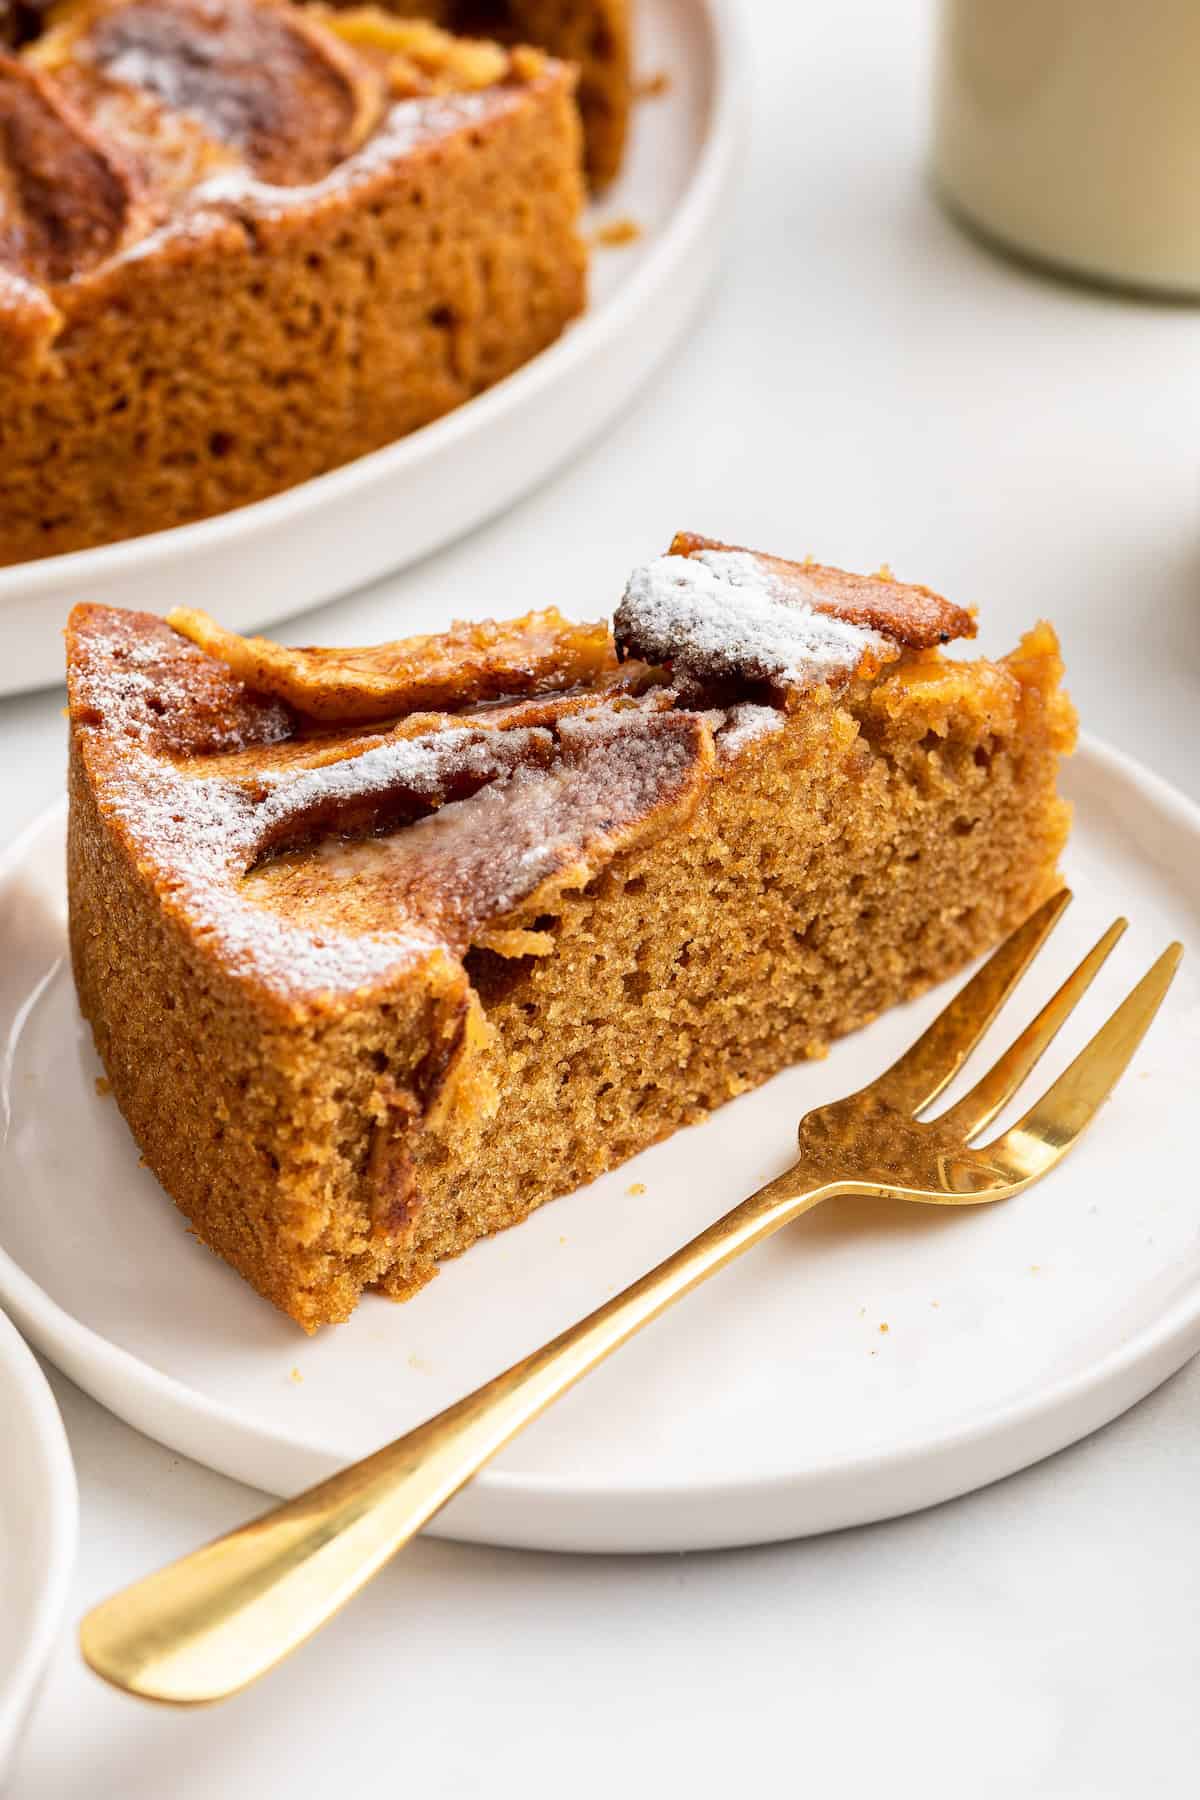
(66, 202)
(256, 76)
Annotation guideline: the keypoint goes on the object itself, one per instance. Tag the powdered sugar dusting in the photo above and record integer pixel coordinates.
(238, 195)
(487, 816)
(423, 766)
(143, 684)
(723, 615)
(204, 832)
(476, 860)
(743, 725)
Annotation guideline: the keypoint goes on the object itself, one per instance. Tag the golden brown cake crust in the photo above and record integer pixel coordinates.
(224, 304)
(595, 35)
(365, 993)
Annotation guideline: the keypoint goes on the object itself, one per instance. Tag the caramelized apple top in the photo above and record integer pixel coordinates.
(119, 112)
(540, 653)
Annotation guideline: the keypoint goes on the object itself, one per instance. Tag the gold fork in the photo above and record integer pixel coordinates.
(209, 1624)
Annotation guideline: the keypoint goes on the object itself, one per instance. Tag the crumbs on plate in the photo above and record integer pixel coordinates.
(616, 232)
(639, 1187)
(652, 87)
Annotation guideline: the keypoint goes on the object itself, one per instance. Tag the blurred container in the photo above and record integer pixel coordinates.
(1069, 131)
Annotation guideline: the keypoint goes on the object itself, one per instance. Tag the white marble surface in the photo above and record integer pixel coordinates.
(865, 385)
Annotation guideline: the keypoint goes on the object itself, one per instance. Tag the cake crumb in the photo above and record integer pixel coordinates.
(562, 1240)
(1035, 1268)
(936, 1304)
(885, 1326)
(296, 1376)
(638, 1187)
(616, 233)
(652, 87)
(103, 1086)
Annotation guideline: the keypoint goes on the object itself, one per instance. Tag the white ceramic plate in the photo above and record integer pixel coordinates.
(771, 1403)
(271, 560)
(39, 1526)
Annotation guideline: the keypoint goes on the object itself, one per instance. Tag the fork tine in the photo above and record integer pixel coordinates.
(989, 1095)
(939, 1053)
(1046, 1132)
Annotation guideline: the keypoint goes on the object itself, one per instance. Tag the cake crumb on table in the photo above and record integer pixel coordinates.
(885, 1326)
(638, 1187)
(296, 1376)
(616, 233)
(652, 87)
(103, 1086)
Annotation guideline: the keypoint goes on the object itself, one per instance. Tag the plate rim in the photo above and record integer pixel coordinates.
(59, 1492)
(562, 1508)
(584, 339)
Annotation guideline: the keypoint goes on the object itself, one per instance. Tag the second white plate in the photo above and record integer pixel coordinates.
(39, 1526)
(872, 1359)
(321, 539)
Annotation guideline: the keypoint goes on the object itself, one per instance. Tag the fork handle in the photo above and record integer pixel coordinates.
(206, 1625)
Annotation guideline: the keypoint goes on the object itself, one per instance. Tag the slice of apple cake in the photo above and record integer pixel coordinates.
(383, 948)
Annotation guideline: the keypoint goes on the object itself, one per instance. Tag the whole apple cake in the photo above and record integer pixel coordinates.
(243, 242)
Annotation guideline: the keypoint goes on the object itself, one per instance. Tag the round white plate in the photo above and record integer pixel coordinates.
(771, 1403)
(321, 539)
(39, 1525)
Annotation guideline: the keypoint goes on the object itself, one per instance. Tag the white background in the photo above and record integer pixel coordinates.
(866, 385)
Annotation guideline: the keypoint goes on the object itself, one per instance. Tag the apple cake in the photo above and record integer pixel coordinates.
(243, 242)
(383, 948)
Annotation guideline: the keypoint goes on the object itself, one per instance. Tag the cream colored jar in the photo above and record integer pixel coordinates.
(1069, 130)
